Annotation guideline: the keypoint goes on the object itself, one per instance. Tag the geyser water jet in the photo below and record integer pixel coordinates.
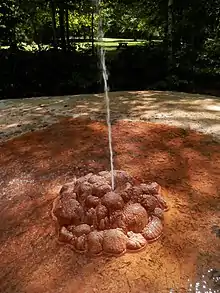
(106, 89)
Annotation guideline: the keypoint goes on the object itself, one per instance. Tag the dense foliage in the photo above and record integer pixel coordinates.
(50, 47)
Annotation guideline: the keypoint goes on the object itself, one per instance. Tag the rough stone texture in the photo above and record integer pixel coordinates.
(95, 219)
(153, 230)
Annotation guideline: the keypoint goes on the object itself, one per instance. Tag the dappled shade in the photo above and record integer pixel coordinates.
(36, 165)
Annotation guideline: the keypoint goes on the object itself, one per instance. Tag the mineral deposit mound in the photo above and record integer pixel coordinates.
(94, 219)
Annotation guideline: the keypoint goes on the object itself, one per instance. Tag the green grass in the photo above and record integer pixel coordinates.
(108, 43)
(112, 44)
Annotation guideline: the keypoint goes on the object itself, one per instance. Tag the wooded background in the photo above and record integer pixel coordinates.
(51, 47)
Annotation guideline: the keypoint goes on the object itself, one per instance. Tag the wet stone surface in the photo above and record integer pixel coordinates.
(94, 219)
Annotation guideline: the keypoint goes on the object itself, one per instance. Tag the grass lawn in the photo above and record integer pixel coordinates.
(108, 44)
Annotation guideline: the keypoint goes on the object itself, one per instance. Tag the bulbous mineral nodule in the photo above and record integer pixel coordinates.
(96, 220)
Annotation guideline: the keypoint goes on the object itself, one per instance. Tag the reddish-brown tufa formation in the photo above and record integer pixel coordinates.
(94, 219)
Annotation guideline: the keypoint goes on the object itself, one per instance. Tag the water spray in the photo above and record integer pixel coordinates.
(106, 88)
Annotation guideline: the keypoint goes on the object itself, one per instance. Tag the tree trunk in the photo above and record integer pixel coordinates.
(62, 26)
(67, 27)
(36, 39)
(54, 26)
(170, 35)
(13, 42)
(93, 47)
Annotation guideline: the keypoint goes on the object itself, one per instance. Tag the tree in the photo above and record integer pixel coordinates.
(67, 26)
(9, 19)
(54, 25)
(62, 25)
(170, 35)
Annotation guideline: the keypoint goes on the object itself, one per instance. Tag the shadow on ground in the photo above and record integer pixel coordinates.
(34, 167)
(198, 112)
